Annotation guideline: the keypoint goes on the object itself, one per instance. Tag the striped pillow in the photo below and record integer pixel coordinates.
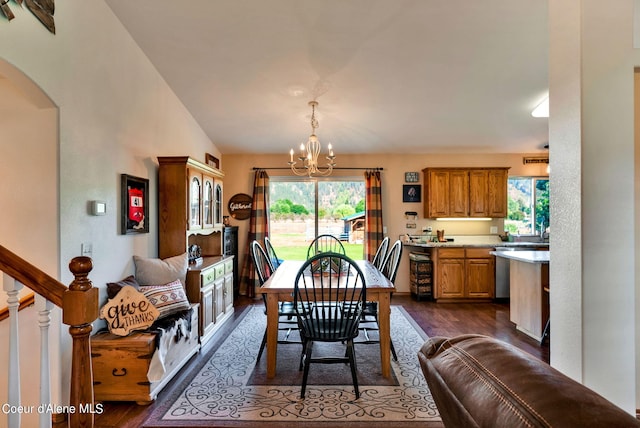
(168, 299)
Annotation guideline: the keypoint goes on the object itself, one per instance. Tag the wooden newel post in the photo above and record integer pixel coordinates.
(79, 310)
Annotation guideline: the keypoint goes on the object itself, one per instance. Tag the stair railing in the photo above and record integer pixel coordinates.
(79, 304)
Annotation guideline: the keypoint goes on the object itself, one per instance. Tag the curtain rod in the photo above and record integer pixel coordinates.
(276, 167)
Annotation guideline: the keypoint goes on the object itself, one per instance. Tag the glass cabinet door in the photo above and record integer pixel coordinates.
(217, 217)
(195, 188)
(207, 202)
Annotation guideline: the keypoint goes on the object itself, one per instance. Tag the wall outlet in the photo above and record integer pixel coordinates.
(493, 229)
(86, 249)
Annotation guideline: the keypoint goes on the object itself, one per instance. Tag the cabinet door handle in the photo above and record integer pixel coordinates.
(122, 372)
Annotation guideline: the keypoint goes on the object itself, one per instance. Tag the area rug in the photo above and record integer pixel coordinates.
(230, 389)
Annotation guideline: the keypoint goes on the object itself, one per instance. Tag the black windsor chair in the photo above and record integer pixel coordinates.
(273, 257)
(381, 253)
(286, 314)
(389, 268)
(325, 285)
(325, 243)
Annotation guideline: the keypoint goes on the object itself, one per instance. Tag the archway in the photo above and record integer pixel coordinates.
(29, 215)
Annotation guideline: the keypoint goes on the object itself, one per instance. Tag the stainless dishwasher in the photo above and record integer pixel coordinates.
(502, 272)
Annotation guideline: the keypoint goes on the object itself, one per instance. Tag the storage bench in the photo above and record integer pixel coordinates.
(136, 367)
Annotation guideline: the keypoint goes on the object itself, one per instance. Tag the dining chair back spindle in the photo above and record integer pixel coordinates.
(329, 296)
(325, 243)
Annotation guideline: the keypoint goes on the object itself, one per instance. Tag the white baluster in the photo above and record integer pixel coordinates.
(44, 321)
(12, 288)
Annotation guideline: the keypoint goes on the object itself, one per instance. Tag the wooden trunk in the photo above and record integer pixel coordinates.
(120, 364)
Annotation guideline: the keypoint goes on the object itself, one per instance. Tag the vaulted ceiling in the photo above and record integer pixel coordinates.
(414, 76)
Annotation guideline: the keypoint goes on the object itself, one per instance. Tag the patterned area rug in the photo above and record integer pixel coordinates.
(230, 389)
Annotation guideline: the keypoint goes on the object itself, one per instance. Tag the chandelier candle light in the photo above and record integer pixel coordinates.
(309, 153)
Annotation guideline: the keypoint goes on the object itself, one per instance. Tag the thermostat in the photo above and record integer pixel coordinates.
(98, 207)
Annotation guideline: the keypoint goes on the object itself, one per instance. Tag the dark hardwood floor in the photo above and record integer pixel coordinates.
(444, 319)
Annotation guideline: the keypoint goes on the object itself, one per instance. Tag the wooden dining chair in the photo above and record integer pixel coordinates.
(325, 285)
(389, 268)
(325, 243)
(286, 314)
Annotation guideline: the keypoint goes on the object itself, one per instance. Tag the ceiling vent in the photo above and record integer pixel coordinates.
(531, 160)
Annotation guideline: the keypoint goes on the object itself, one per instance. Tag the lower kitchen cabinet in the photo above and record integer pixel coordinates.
(464, 273)
(211, 284)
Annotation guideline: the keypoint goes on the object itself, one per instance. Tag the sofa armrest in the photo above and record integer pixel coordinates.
(478, 381)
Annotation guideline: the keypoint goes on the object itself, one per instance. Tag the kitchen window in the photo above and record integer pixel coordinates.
(528, 211)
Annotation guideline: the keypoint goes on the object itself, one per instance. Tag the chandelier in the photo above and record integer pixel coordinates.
(310, 151)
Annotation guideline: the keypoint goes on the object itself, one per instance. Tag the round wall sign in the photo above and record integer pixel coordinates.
(240, 206)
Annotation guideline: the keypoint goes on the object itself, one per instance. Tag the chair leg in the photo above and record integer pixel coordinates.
(393, 351)
(302, 354)
(307, 363)
(352, 364)
(545, 333)
(262, 346)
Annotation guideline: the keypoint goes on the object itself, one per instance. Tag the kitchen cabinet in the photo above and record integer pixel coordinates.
(446, 193)
(464, 273)
(211, 284)
(465, 192)
(190, 206)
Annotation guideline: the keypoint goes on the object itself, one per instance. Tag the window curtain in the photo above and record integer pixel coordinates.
(258, 229)
(373, 234)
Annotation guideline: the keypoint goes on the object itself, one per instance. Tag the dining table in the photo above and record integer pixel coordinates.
(280, 286)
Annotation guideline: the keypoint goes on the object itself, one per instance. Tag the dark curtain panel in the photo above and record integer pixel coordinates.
(258, 229)
(373, 234)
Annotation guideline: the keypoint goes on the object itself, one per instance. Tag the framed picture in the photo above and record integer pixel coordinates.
(411, 192)
(135, 204)
(212, 161)
(411, 177)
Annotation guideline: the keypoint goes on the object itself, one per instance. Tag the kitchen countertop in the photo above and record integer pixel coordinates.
(472, 241)
(524, 256)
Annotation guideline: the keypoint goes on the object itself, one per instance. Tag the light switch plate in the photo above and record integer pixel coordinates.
(86, 249)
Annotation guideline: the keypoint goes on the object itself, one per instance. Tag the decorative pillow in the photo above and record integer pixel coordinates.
(114, 287)
(130, 311)
(161, 271)
(168, 299)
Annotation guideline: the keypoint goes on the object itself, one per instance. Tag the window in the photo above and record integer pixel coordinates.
(528, 199)
(302, 209)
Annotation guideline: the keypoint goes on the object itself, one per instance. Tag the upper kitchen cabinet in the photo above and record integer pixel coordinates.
(190, 206)
(465, 192)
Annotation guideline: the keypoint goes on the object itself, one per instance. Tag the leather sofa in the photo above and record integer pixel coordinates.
(478, 381)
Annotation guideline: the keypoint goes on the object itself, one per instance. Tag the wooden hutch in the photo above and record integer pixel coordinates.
(190, 213)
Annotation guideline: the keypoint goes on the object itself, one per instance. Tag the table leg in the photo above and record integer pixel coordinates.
(272, 333)
(384, 324)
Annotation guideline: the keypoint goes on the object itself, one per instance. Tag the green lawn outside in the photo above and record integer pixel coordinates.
(354, 251)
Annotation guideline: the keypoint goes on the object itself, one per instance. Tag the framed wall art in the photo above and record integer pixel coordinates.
(411, 192)
(135, 204)
(211, 160)
(411, 177)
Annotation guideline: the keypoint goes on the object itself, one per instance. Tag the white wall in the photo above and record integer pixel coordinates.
(116, 115)
(592, 276)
